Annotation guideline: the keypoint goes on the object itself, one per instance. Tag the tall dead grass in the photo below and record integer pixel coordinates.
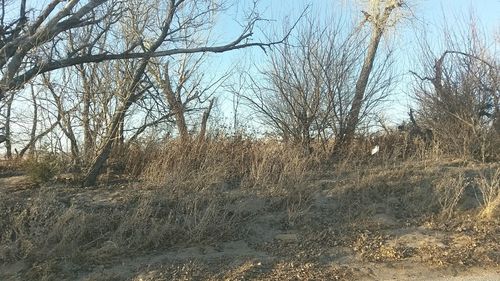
(179, 202)
(228, 163)
(45, 226)
(191, 192)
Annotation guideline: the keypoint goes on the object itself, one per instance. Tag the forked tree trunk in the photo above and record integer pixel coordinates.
(99, 162)
(173, 97)
(134, 93)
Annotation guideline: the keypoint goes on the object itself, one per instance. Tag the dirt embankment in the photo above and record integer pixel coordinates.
(379, 224)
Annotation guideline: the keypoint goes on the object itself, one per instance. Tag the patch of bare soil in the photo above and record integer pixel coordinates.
(329, 232)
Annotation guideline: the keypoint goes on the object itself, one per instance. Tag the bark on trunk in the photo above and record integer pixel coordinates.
(204, 121)
(347, 135)
(379, 21)
(33, 136)
(68, 131)
(99, 162)
(88, 140)
(173, 99)
(180, 121)
(7, 139)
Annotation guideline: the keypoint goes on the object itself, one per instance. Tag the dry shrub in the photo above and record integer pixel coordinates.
(10, 167)
(51, 223)
(462, 141)
(85, 232)
(277, 164)
(43, 168)
(136, 156)
(484, 184)
(24, 224)
(298, 203)
(449, 191)
(162, 219)
(403, 191)
(228, 162)
(198, 165)
(489, 185)
(394, 146)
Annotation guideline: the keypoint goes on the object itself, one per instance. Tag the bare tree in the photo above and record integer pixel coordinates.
(184, 23)
(127, 36)
(184, 89)
(64, 115)
(306, 91)
(3, 136)
(381, 15)
(24, 37)
(41, 124)
(295, 94)
(31, 46)
(458, 93)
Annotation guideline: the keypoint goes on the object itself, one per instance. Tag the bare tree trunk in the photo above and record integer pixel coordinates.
(114, 127)
(75, 151)
(88, 139)
(33, 137)
(305, 141)
(173, 97)
(99, 162)
(8, 140)
(133, 93)
(347, 136)
(204, 121)
(87, 134)
(379, 22)
(180, 120)
(64, 116)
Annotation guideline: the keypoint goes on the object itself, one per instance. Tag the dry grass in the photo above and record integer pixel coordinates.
(46, 226)
(229, 163)
(489, 185)
(238, 189)
(449, 191)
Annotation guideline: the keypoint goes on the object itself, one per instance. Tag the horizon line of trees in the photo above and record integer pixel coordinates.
(94, 76)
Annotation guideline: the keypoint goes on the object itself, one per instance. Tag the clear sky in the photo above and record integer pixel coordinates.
(428, 15)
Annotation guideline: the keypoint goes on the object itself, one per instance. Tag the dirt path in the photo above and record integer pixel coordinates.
(414, 272)
(237, 261)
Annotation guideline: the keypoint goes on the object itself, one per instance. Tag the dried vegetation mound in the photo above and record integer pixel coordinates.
(254, 211)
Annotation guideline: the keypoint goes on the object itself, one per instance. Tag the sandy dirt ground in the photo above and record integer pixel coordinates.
(280, 244)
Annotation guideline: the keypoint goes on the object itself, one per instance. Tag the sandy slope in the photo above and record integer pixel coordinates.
(282, 241)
